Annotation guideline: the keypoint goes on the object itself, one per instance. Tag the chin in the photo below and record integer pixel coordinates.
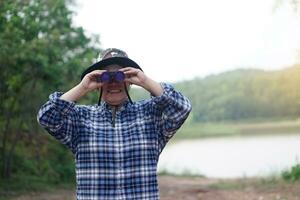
(115, 102)
(115, 99)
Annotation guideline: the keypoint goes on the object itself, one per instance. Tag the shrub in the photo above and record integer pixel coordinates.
(293, 174)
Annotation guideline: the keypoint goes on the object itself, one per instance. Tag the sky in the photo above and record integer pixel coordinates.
(176, 40)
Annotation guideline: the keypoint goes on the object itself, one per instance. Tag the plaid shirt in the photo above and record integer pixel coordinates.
(116, 153)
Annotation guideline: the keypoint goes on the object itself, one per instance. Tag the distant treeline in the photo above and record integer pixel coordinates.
(242, 94)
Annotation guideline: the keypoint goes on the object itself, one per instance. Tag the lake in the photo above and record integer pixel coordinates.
(231, 157)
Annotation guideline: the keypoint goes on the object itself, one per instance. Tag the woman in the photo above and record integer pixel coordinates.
(116, 143)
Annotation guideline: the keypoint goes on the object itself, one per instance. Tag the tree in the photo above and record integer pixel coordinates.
(41, 51)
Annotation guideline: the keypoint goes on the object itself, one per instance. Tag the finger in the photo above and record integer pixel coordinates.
(99, 85)
(126, 69)
(97, 72)
(129, 70)
(132, 71)
(96, 85)
(129, 79)
(133, 81)
(95, 75)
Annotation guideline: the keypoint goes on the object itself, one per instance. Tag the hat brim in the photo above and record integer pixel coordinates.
(121, 61)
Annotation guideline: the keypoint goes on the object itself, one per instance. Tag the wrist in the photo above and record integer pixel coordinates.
(75, 93)
(81, 90)
(153, 87)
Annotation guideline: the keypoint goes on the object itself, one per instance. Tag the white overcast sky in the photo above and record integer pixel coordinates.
(174, 40)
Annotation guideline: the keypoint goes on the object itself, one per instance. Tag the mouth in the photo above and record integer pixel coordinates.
(114, 91)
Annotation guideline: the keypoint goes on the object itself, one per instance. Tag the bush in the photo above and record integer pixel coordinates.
(293, 174)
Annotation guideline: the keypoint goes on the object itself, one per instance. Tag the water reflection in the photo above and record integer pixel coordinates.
(232, 157)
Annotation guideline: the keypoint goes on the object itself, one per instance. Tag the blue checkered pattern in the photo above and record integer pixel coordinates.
(120, 161)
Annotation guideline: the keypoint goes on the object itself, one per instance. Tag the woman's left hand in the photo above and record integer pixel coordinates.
(134, 76)
(137, 77)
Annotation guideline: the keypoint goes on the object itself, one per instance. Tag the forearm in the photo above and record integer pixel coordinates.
(153, 87)
(74, 94)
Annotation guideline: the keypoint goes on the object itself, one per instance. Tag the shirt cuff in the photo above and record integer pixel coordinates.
(62, 106)
(165, 99)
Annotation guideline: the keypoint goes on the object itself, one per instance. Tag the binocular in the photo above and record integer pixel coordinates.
(107, 77)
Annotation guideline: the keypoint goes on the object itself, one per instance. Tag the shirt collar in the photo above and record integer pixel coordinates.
(123, 106)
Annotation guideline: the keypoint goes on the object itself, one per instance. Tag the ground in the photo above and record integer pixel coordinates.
(213, 189)
(199, 188)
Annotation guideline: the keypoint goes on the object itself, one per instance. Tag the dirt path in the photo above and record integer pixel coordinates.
(212, 189)
(185, 188)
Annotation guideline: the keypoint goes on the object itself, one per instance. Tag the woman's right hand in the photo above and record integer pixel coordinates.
(88, 83)
(91, 81)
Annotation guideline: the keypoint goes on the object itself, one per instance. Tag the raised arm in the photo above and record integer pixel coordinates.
(170, 107)
(59, 115)
(88, 83)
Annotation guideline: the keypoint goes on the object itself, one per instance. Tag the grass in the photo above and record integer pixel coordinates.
(20, 185)
(186, 173)
(202, 130)
(267, 183)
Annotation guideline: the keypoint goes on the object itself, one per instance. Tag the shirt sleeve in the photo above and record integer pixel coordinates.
(60, 119)
(172, 109)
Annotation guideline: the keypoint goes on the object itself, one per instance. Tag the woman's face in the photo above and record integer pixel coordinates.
(114, 92)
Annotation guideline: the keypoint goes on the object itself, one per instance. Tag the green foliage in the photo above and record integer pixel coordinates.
(292, 174)
(244, 94)
(60, 162)
(41, 52)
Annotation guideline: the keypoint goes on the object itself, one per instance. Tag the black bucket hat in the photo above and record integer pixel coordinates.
(112, 56)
